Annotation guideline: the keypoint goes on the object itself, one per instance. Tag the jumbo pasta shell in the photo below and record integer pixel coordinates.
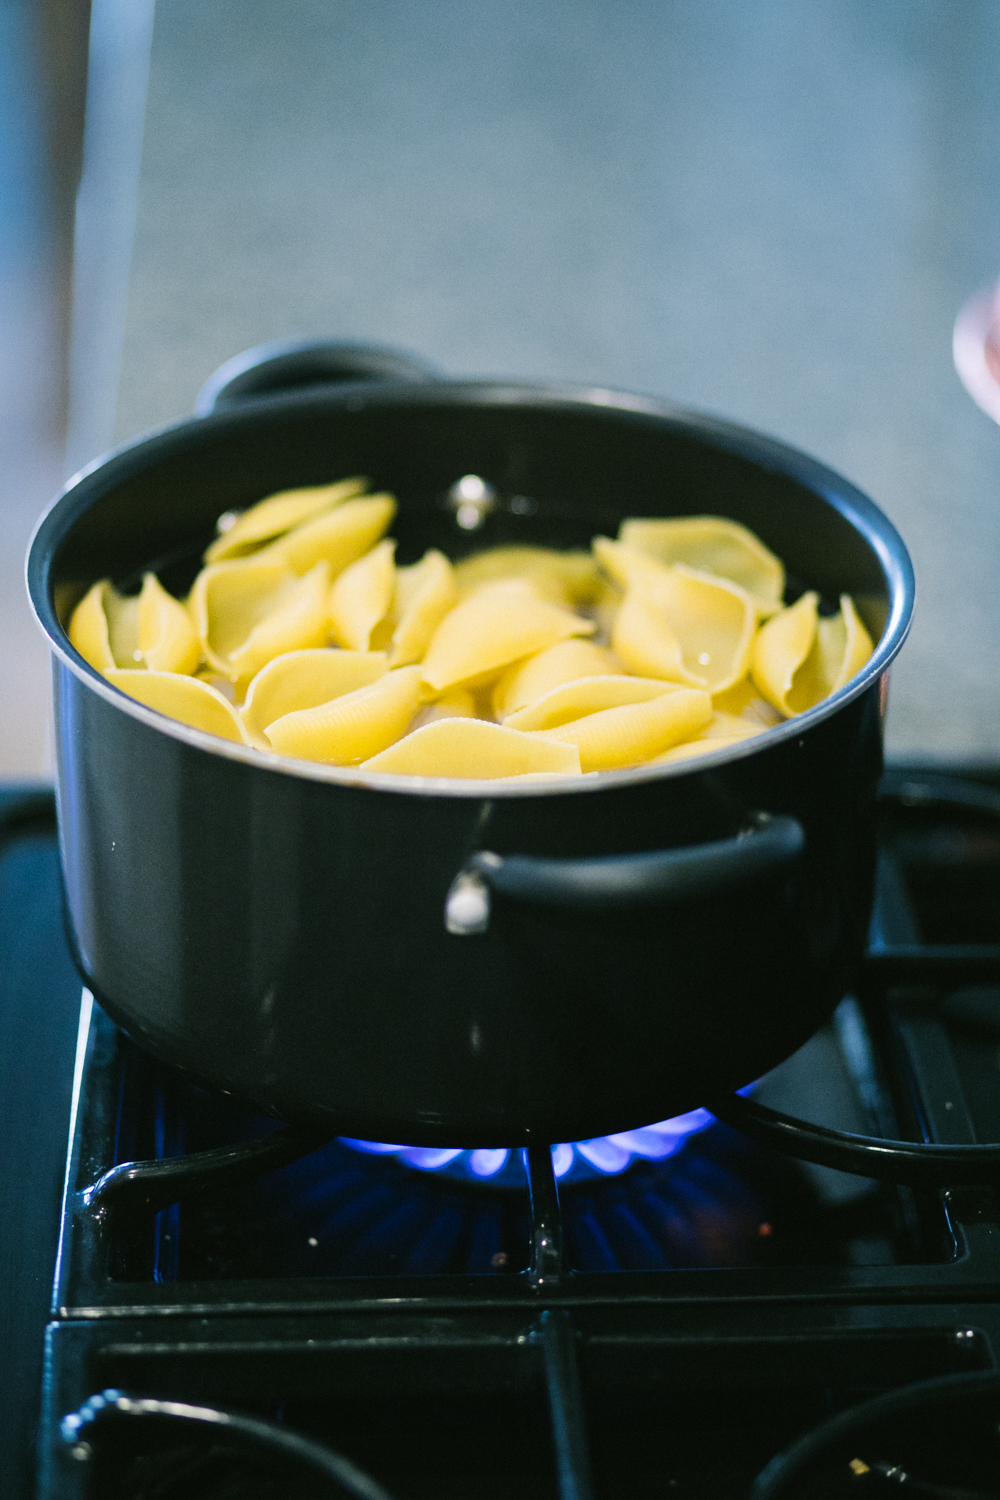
(305, 679)
(635, 732)
(472, 749)
(338, 537)
(587, 695)
(712, 544)
(183, 698)
(744, 701)
(492, 627)
(688, 627)
(167, 637)
(88, 628)
(229, 600)
(782, 647)
(298, 621)
(721, 730)
(248, 612)
(456, 703)
(354, 726)
(526, 681)
(561, 577)
(361, 595)
(627, 565)
(122, 611)
(858, 645)
(425, 593)
(801, 658)
(277, 514)
(700, 745)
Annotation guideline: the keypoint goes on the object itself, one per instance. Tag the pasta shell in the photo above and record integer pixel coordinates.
(635, 732)
(88, 628)
(605, 607)
(354, 726)
(494, 626)
(587, 695)
(242, 627)
(457, 703)
(425, 593)
(744, 702)
(228, 601)
(277, 514)
(168, 640)
(298, 621)
(628, 566)
(728, 726)
(525, 681)
(182, 698)
(800, 659)
(470, 748)
(360, 596)
(562, 577)
(700, 745)
(123, 627)
(686, 626)
(304, 679)
(713, 544)
(339, 536)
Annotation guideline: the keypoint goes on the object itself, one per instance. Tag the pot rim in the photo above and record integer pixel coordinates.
(878, 531)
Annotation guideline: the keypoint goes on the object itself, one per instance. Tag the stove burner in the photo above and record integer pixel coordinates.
(605, 1156)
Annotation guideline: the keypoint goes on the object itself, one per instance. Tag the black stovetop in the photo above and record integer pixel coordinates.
(687, 1319)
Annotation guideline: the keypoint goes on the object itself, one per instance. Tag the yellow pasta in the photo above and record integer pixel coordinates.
(712, 544)
(679, 624)
(345, 659)
(246, 613)
(456, 703)
(304, 679)
(617, 737)
(496, 625)
(562, 577)
(88, 628)
(470, 748)
(527, 680)
(745, 702)
(800, 659)
(298, 622)
(182, 698)
(423, 596)
(150, 629)
(168, 640)
(229, 599)
(700, 745)
(277, 514)
(338, 537)
(354, 726)
(587, 695)
(122, 611)
(361, 595)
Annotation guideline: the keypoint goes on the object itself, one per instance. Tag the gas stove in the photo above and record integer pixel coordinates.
(242, 1309)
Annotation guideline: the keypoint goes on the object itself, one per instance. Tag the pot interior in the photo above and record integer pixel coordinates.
(563, 467)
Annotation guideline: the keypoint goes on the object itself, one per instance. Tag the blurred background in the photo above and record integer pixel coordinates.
(771, 211)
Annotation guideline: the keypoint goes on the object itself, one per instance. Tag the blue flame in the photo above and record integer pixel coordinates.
(605, 1156)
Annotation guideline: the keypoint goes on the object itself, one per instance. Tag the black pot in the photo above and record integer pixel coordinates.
(620, 949)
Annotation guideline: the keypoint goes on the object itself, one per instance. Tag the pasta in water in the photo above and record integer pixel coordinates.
(302, 637)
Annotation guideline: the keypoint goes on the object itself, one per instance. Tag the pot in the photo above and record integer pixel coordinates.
(462, 963)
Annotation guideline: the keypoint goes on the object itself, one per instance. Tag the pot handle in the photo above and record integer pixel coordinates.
(291, 364)
(767, 846)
